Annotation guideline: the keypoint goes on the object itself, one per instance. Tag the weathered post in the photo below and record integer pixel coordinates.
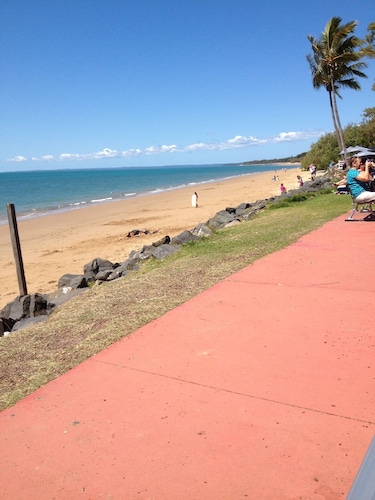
(16, 248)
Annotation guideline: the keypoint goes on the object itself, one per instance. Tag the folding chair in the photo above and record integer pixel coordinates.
(355, 208)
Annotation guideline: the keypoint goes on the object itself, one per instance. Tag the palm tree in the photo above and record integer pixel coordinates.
(335, 63)
(369, 44)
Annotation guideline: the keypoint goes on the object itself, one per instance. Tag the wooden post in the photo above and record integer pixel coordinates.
(16, 248)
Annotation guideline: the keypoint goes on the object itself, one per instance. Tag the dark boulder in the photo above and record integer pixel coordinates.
(25, 322)
(183, 238)
(242, 208)
(72, 281)
(38, 305)
(248, 215)
(202, 230)
(6, 325)
(97, 265)
(24, 307)
(91, 269)
(103, 275)
(146, 252)
(17, 309)
(130, 264)
(163, 251)
(220, 220)
(162, 241)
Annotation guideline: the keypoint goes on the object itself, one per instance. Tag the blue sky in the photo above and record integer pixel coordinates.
(95, 83)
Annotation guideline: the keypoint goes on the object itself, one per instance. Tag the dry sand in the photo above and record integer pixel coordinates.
(57, 244)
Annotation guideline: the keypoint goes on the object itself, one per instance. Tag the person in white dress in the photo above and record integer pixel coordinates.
(194, 200)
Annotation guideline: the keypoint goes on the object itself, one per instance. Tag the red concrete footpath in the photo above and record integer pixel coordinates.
(262, 387)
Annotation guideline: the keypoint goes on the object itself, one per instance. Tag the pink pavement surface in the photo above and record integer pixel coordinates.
(262, 387)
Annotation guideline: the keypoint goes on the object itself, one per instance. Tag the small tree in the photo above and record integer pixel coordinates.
(335, 63)
(322, 152)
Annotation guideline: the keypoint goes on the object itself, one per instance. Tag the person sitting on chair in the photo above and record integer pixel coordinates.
(341, 186)
(358, 179)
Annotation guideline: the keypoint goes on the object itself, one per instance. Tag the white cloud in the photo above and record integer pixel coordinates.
(168, 149)
(105, 153)
(18, 159)
(70, 156)
(296, 136)
(238, 141)
(196, 147)
(160, 149)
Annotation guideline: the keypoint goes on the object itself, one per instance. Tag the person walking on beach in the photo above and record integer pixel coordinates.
(300, 181)
(282, 188)
(194, 200)
(312, 169)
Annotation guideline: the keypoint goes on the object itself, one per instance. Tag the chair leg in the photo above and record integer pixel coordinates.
(355, 208)
(351, 215)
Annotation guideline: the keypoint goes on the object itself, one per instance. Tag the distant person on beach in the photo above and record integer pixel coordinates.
(300, 181)
(194, 200)
(312, 169)
(138, 232)
(282, 188)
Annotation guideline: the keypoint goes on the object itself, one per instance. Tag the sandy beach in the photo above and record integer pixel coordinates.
(62, 243)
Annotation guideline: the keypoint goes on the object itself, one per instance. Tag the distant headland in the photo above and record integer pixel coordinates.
(291, 160)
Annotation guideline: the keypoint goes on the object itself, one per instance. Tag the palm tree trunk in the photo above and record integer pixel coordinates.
(337, 123)
(339, 127)
(334, 119)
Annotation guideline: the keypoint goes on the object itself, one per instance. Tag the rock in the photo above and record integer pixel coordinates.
(72, 281)
(134, 254)
(131, 264)
(220, 220)
(202, 230)
(259, 205)
(24, 307)
(25, 322)
(6, 325)
(146, 252)
(103, 275)
(162, 241)
(19, 308)
(183, 238)
(321, 182)
(242, 209)
(38, 305)
(234, 222)
(62, 295)
(248, 215)
(163, 251)
(97, 265)
(119, 272)
(91, 269)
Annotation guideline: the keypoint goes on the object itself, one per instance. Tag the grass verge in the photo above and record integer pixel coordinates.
(104, 314)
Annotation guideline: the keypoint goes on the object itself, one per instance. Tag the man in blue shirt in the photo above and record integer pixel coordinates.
(358, 178)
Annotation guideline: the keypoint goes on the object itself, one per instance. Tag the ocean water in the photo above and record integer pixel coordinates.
(37, 193)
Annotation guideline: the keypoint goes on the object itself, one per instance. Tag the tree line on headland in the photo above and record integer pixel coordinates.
(337, 62)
